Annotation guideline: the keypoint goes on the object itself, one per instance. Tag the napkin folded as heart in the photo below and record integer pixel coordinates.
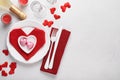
(59, 53)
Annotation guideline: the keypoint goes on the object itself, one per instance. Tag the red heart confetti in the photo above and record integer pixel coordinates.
(45, 23)
(4, 73)
(11, 72)
(5, 64)
(63, 8)
(5, 51)
(13, 65)
(67, 4)
(12, 69)
(57, 16)
(50, 23)
(52, 10)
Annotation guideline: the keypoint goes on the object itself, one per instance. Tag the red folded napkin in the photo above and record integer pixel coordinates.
(59, 53)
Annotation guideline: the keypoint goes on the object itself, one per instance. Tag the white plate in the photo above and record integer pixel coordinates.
(41, 53)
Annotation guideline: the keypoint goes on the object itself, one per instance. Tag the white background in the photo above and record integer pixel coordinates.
(93, 50)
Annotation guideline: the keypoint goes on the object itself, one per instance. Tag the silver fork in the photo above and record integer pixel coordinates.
(52, 39)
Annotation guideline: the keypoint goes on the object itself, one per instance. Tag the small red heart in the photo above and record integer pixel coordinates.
(5, 64)
(67, 4)
(4, 73)
(11, 72)
(45, 23)
(63, 8)
(52, 10)
(50, 23)
(0, 67)
(57, 16)
(13, 65)
(6, 52)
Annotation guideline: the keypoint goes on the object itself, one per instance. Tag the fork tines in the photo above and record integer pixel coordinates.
(54, 31)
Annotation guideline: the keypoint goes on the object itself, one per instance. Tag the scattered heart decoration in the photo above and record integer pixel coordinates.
(4, 73)
(6, 52)
(45, 23)
(48, 23)
(52, 10)
(5, 64)
(57, 16)
(63, 8)
(67, 4)
(12, 66)
(27, 44)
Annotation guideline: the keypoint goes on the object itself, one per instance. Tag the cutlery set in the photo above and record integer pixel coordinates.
(55, 57)
(55, 36)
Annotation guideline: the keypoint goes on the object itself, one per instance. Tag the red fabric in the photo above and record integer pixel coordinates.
(59, 53)
(16, 33)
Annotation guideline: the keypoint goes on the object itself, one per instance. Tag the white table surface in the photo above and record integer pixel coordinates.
(93, 50)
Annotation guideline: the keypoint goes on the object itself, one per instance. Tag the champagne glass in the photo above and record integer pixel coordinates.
(7, 4)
